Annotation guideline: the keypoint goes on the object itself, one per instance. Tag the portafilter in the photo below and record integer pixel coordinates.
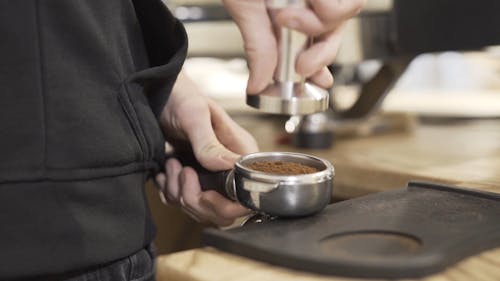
(273, 194)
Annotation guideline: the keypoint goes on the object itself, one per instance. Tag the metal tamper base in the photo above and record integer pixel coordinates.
(292, 98)
(289, 94)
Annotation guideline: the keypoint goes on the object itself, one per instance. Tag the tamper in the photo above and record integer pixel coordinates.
(290, 93)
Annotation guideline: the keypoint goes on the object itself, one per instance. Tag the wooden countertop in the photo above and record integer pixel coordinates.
(211, 265)
(457, 152)
(463, 153)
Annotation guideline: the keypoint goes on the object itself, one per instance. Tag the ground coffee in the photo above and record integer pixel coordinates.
(282, 168)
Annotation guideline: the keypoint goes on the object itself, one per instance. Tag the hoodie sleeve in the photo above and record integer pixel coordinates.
(166, 44)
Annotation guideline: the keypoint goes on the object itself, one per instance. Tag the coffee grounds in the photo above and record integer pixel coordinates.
(282, 168)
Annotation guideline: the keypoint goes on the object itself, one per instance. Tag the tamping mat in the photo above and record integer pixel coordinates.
(404, 233)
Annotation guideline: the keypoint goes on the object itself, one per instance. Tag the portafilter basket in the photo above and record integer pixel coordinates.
(275, 194)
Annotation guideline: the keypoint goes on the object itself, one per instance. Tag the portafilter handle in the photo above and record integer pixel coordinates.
(220, 181)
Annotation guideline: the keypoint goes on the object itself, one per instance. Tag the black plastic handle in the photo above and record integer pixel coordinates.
(209, 180)
(214, 181)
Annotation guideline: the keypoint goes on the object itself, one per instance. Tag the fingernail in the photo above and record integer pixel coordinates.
(327, 80)
(163, 198)
(230, 158)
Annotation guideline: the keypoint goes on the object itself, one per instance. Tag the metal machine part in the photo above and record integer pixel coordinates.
(273, 194)
(317, 130)
(384, 29)
(208, 19)
(390, 31)
(290, 94)
(395, 37)
(292, 98)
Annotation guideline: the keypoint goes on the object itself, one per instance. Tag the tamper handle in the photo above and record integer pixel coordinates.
(291, 43)
(289, 94)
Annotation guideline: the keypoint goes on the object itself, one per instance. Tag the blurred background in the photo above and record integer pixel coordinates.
(400, 63)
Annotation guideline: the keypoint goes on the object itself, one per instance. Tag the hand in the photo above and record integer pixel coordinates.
(323, 21)
(216, 141)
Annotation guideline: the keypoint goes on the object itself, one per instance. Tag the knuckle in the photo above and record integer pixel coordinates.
(335, 11)
(358, 6)
(208, 148)
(350, 8)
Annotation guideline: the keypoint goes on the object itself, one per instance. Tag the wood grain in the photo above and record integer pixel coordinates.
(208, 264)
(458, 152)
(463, 153)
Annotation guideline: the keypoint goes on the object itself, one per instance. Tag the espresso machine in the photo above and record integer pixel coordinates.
(395, 35)
(392, 32)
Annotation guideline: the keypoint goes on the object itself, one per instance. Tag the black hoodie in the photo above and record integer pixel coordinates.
(82, 83)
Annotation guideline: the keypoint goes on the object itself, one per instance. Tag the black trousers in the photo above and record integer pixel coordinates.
(139, 266)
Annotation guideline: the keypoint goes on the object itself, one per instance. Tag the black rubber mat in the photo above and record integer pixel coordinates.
(405, 233)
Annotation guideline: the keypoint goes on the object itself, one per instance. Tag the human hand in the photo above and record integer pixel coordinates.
(323, 21)
(216, 141)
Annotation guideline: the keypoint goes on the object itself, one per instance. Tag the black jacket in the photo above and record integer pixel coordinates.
(82, 83)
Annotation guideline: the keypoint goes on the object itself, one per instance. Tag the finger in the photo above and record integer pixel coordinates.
(172, 192)
(303, 20)
(197, 123)
(185, 205)
(336, 10)
(322, 17)
(223, 207)
(322, 78)
(259, 41)
(160, 180)
(262, 58)
(191, 194)
(319, 55)
(229, 133)
(191, 213)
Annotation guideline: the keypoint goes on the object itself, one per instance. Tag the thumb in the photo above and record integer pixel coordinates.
(207, 149)
(259, 41)
(213, 155)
